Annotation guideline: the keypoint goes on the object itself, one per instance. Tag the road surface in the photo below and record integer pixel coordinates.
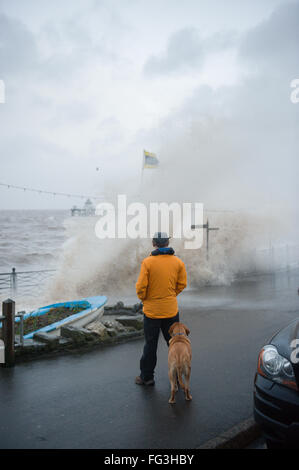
(90, 400)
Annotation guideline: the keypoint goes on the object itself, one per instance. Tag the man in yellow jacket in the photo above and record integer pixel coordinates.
(162, 277)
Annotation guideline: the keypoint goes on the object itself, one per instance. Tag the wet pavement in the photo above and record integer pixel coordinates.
(90, 400)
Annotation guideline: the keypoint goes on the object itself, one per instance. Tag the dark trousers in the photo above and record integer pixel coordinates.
(152, 327)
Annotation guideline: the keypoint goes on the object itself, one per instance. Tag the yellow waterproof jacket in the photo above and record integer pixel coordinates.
(162, 277)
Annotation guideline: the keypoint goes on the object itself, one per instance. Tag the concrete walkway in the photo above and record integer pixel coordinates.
(90, 400)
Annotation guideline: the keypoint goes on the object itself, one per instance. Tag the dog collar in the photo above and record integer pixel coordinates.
(178, 334)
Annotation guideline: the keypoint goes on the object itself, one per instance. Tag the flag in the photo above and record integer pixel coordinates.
(150, 160)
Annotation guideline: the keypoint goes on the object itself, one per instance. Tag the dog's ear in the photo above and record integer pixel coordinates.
(172, 328)
(187, 330)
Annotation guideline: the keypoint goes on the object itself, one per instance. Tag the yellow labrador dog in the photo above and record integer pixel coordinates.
(179, 360)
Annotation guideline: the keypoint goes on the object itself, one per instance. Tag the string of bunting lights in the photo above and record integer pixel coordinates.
(53, 193)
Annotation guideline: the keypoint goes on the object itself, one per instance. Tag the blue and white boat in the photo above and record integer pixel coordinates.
(93, 308)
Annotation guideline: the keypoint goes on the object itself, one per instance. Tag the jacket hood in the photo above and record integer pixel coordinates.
(163, 251)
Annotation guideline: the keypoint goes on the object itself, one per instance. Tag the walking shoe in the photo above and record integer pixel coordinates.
(140, 381)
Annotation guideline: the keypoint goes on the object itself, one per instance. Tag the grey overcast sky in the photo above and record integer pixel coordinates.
(91, 83)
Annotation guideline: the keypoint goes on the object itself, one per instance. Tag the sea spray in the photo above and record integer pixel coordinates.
(89, 266)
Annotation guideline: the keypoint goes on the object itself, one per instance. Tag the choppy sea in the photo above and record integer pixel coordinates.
(31, 239)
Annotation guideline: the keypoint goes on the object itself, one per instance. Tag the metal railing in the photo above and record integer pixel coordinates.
(21, 282)
(20, 315)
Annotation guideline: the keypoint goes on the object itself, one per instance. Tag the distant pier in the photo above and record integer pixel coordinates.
(87, 211)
